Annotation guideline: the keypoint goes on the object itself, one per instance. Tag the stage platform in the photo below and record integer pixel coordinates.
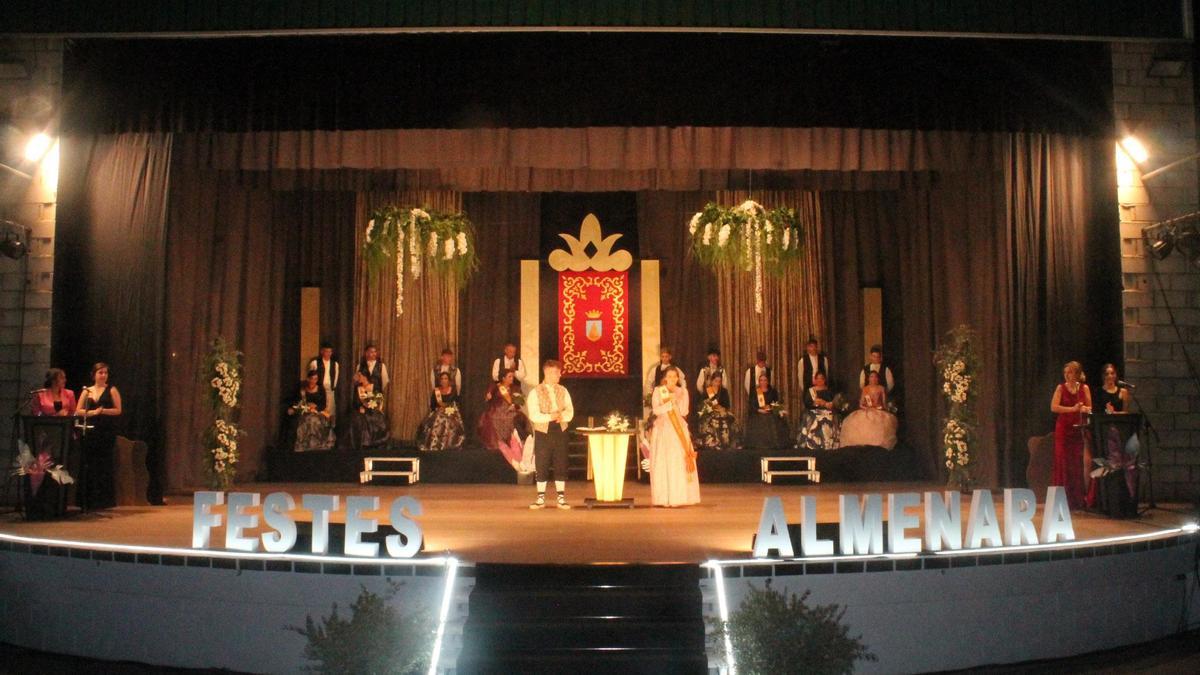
(492, 523)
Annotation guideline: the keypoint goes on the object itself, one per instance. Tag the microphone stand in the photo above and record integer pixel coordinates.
(1153, 433)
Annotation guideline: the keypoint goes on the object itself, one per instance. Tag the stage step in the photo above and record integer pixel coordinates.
(584, 618)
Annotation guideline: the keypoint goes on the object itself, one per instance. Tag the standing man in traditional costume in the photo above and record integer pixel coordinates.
(550, 410)
(712, 367)
(654, 374)
(507, 361)
(814, 361)
(445, 364)
(760, 368)
(328, 374)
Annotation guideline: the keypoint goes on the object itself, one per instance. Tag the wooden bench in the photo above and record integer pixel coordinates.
(369, 472)
(809, 471)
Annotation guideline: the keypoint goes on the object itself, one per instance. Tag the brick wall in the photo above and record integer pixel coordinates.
(27, 103)
(1161, 113)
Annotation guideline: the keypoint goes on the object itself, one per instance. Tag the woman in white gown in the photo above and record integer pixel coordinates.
(673, 477)
(871, 424)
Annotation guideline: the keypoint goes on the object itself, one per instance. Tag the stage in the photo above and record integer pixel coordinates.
(493, 524)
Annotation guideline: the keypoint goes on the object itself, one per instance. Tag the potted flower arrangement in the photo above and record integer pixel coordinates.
(958, 364)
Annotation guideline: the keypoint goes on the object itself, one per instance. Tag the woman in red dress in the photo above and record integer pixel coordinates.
(1072, 401)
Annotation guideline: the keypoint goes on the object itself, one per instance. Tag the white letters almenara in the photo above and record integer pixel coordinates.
(861, 523)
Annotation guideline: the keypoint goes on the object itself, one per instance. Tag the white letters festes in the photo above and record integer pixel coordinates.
(279, 534)
(861, 519)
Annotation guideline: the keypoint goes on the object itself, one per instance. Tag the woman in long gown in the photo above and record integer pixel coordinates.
(503, 425)
(99, 406)
(673, 477)
(368, 424)
(717, 427)
(442, 428)
(765, 427)
(1112, 399)
(314, 425)
(1072, 401)
(871, 424)
(819, 430)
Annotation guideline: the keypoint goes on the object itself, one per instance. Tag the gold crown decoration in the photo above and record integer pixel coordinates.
(577, 259)
(593, 314)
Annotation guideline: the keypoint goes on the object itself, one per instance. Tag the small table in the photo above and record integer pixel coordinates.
(608, 451)
(809, 471)
(413, 473)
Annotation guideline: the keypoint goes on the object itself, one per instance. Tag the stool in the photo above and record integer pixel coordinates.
(809, 471)
(413, 473)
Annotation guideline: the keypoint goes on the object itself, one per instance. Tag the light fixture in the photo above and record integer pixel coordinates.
(12, 246)
(1134, 149)
(37, 147)
(1161, 247)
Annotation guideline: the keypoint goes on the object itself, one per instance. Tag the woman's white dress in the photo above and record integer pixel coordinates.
(671, 483)
(871, 424)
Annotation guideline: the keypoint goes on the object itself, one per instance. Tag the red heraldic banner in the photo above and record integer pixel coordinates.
(593, 323)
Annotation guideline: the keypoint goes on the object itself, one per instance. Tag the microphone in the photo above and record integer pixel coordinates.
(1126, 385)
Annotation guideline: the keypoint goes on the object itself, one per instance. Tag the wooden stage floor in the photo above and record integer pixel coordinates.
(492, 523)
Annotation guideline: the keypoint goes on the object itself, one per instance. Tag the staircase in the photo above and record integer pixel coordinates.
(584, 618)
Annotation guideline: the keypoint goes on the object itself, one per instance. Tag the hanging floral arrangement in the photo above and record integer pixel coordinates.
(222, 376)
(747, 237)
(959, 365)
(414, 240)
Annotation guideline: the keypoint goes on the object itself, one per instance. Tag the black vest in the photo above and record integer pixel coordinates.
(808, 371)
(500, 365)
(437, 370)
(883, 368)
(376, 377)
(333, 378)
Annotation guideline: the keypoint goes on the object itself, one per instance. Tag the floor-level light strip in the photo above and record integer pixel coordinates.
(723, 613)
(447, 598)
(217, 553)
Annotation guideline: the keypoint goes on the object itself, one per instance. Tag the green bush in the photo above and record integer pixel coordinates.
(774, 633)
(376, 639)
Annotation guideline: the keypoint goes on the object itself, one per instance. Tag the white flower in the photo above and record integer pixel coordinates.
(433, 243)
(420, 214)
(787, 237)
(949, 464)
(749, 206)
(723, 235)
(707, 238)
(370, 228)
(449, 249)
(216, 383)
(768, 227)
(462, 243)
(693, 224)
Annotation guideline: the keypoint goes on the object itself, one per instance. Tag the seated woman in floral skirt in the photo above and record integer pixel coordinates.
(368, 424)
(717, 427)
(314, 426)
(819, 430)
(442, 428)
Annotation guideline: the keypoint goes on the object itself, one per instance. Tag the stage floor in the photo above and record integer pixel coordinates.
(492, 523)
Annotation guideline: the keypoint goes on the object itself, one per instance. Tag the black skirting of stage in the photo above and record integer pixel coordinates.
(477, 465)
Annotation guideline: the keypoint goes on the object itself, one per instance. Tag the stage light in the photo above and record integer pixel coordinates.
(37, 147)
(1190, 528)
(12, 246)
(1134, 148)
(1161, 248)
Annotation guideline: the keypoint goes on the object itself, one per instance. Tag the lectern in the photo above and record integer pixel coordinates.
(608, 452)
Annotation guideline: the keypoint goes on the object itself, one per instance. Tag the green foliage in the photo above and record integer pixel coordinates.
(414, 230)
(958, 365)
(375, 639)
(774, 633)
(221, 377)
(732, 236)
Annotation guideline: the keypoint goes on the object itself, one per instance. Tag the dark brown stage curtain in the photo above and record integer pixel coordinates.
(236, 258)
(109, 268)
(1002, 251)
(408, 344)
(687, 290)
(506, 225)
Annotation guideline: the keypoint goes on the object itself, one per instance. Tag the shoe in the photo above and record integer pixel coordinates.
(562, 502)
(539, 503)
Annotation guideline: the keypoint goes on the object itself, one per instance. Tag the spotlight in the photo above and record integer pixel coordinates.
(1162, 247)
(1134, 149)
(12, 246)
(36, 148)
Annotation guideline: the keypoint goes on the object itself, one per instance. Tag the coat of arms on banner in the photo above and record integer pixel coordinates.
(593, 304)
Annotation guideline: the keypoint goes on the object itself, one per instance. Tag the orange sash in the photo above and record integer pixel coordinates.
(689, 454)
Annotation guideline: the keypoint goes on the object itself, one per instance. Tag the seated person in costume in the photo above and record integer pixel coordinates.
(442, 428)
(716, 428)
(503, 425)
(871, 424)
(766, 428)
(819, 428)
(314, 422)
(368, 424)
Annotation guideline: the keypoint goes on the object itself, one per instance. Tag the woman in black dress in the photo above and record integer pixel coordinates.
(716, 429)
(1111, 398)
(98, 409)
(368, 424)
(765, 427)
(442, 428)
(314, 425)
